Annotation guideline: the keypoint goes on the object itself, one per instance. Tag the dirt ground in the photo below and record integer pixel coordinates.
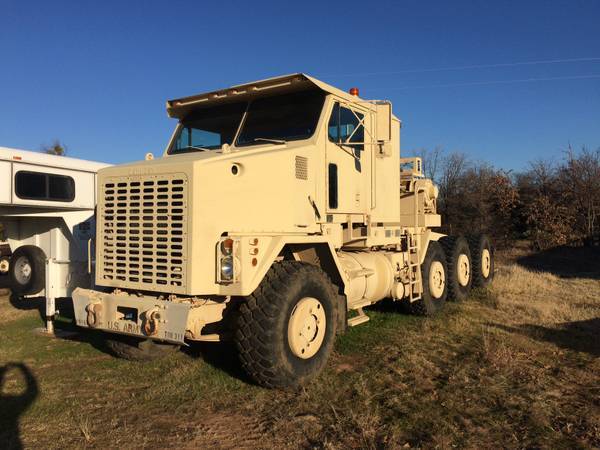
(515, 366)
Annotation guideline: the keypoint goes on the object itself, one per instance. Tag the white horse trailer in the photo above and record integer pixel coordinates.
(46, 224)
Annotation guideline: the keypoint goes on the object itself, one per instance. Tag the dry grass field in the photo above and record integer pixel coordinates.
(515, 366)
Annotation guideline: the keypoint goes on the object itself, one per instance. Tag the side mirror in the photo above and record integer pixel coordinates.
(383, 121)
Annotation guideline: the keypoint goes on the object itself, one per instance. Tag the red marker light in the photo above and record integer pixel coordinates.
(354, 91)
(227, 246)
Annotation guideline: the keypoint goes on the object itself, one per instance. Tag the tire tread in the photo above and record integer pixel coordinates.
(257, 357)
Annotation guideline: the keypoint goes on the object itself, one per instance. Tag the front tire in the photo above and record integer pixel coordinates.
(286, 329)
(27, 270)
(138, 349)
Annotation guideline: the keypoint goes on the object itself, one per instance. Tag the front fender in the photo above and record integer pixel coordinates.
(256, 254)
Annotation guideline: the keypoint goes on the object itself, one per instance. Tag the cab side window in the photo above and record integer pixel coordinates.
(344, 126)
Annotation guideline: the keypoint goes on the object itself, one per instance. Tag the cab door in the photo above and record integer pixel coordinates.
(347, 163)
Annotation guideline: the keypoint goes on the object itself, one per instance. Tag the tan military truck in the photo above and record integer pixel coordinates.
(279, 210)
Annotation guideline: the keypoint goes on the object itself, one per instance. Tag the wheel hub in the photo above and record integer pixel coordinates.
(4, 265)
(437, 279)
(464, 269)
(306, 327)
(486, 262)
(23, 270)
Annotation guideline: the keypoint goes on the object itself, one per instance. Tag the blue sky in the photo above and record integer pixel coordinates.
(96, 75)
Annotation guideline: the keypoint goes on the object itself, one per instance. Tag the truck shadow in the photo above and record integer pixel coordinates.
(580, 336)
(64, 305)
(565, 261)
(64, 325)
(221, 355)
(14, 405)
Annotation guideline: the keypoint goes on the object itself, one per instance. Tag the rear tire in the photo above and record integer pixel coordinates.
(482, 256)
(458, 261)
(27, 270)
(434, 274)
(286, 329)
(138, 349)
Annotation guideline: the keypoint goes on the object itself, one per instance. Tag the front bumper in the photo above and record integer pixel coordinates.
(141, 316)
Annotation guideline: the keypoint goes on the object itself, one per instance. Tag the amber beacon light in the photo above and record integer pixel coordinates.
(354, 91)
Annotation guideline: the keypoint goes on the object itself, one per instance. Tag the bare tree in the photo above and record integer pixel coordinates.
(454, 166)
(543, 175)
(56, 148)
(431, 161)
(552, 203)
(581, 179)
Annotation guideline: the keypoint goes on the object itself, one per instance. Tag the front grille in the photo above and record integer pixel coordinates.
(143, 232)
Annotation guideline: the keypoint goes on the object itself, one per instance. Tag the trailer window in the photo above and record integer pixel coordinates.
(44, 186)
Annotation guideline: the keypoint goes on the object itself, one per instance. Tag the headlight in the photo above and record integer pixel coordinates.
(227, 268)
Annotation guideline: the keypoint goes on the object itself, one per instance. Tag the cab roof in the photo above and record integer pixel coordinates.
(180, 107)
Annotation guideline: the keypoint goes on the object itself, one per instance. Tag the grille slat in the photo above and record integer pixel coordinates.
(143, 231)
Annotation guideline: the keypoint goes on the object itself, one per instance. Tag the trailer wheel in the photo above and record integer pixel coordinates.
(138, 349)
(458, 261)
(434, 274)
(482, 256)
(285, 330)
(27, 270)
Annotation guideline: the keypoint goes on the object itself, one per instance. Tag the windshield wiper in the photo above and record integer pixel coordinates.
(204, 149)
(274, 141)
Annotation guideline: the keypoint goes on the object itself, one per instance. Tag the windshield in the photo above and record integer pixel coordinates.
(208, 129)
(276, 119)
(285, 117)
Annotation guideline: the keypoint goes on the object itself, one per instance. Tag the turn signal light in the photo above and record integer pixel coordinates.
(227, 246)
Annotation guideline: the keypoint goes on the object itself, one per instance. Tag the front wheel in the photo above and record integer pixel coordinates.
(285, 330)
(138, 349)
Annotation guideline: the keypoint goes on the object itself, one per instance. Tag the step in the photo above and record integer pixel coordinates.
(352, 322)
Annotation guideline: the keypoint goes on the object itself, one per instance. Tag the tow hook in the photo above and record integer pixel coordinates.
(94, 314)
(151, 321)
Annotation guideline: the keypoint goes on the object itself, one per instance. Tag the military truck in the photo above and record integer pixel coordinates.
(280, 210)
